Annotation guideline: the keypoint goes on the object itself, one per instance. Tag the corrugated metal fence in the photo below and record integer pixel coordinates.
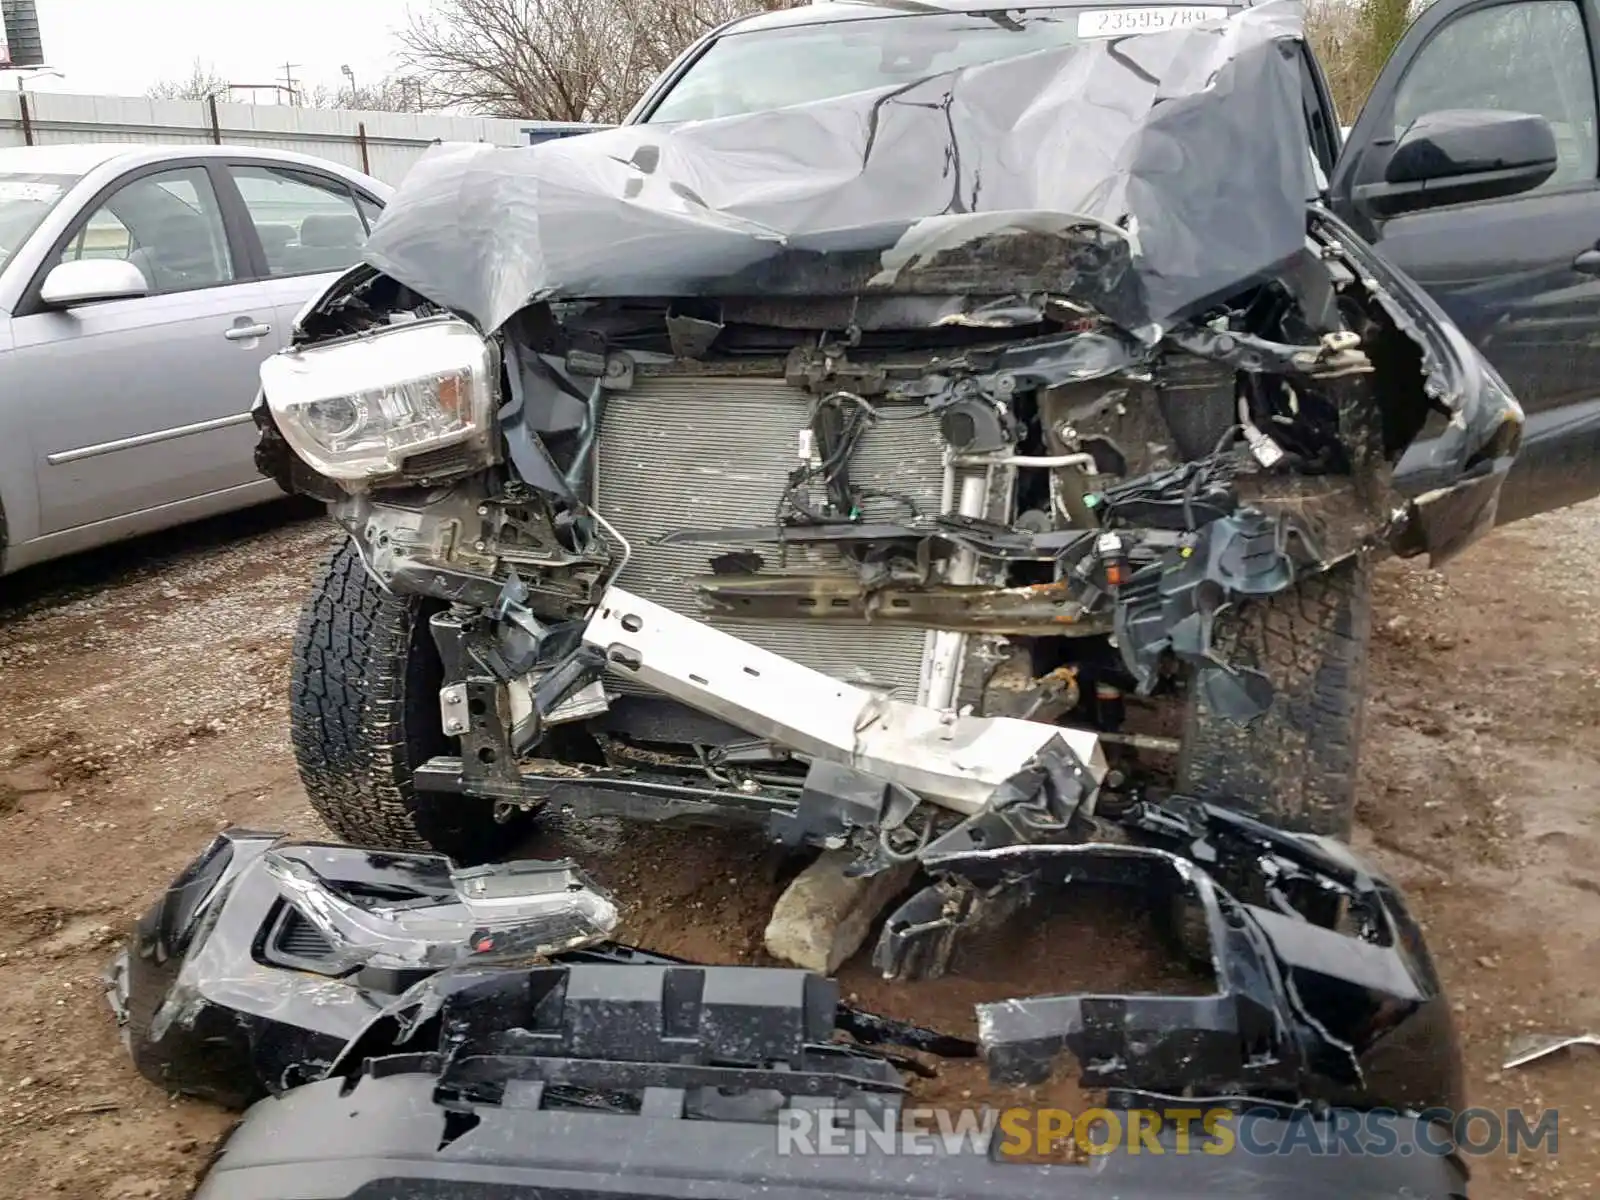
(383, 144)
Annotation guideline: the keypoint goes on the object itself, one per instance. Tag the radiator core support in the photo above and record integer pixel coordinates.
(952, 760)
(716, 450)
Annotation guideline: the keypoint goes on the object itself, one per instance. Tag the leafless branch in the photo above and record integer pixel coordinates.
(393, 93)
(203, 81)
(556, 60)
(1353, 39)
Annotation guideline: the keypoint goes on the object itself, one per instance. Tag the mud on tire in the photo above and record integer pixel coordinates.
(364, 714)
(1295, 766)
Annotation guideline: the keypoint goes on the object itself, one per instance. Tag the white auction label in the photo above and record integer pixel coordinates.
(1119, 22)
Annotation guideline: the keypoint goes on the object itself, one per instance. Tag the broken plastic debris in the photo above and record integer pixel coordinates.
(518, 908)
(1533, 1047)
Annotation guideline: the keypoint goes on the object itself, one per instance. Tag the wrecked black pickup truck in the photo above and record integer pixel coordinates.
(901, 385)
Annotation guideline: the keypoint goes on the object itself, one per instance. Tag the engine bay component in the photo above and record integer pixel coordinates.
(953, 760)
(1039, 608)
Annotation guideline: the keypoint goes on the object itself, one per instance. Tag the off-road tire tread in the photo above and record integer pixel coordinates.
(364, 714)
(1295, 765)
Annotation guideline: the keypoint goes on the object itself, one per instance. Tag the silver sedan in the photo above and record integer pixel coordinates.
(140, 289)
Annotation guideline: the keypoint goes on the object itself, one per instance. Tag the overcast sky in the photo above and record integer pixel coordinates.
(122, 47)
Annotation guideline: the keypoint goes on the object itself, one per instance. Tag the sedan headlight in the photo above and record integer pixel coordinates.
(357, 410)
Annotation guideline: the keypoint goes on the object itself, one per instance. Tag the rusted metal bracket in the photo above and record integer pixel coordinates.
(1044, 608)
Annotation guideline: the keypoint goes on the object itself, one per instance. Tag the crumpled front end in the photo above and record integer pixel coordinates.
(879, 387)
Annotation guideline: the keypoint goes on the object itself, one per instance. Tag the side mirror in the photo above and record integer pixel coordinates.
(1461, 155)
(86, 280)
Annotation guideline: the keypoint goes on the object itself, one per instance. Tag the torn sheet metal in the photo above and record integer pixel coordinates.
(1178, 167)
(1037, 804)
(266, 956)
(836, 803)
(952, 760)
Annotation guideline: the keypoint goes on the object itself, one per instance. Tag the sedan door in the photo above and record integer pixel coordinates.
(309, 227)
(138, 403)
(1520, 275)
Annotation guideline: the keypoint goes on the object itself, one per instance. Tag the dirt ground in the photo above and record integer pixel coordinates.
(144, 708)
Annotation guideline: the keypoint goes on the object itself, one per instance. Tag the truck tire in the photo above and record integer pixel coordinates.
(1294, 766)
(364, 714)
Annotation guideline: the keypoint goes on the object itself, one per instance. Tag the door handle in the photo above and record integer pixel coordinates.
(243, 333)
(1588, 262)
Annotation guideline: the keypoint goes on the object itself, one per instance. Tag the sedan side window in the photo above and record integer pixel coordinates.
(168, 225)
(1531, 57)
(307, 223)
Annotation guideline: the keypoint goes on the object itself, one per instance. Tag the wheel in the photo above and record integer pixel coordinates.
(1295, 765)
(364, 714)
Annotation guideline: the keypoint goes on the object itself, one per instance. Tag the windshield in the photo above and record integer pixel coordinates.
(774, 68)
(25, 200)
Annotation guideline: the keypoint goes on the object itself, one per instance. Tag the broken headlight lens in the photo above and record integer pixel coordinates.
(357, 409)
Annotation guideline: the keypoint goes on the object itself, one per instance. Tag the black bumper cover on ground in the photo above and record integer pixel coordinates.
(609, 1071)
(389, 1139)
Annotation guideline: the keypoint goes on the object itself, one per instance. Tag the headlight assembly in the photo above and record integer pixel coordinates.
(357, 410)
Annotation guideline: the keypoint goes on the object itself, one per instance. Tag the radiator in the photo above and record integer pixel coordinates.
(716, 452)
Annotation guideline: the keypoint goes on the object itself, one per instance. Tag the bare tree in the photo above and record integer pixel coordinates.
(203, 81)
(557, 60)
(1353, 40)
(1383, 24)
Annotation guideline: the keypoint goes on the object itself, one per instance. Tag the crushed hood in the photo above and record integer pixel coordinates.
(1168, 168)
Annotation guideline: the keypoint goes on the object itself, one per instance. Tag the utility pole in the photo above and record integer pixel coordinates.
(288, 82)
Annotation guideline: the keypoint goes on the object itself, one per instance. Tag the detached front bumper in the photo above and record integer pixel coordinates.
(391, 1136)
(411, 1056)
